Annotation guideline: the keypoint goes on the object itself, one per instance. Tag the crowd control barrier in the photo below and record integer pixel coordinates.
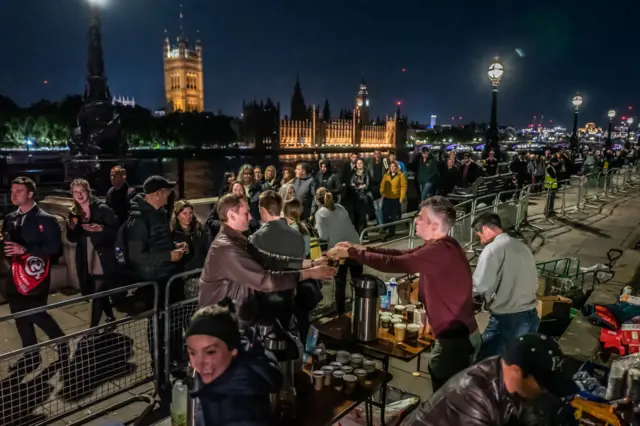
(99, 363)
(176, 316)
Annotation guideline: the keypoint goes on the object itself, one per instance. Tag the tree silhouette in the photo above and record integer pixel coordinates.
(326, 111)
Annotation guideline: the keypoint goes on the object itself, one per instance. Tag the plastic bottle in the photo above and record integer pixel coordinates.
(179, 401)
(385, 298)
(393, 292)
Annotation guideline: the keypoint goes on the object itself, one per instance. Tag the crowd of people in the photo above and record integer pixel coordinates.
(255, 253)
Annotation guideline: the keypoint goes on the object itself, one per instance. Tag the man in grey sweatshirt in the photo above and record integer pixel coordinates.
(507, 279)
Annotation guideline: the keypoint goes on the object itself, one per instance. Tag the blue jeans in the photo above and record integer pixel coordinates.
(377, 208)
(502, 329)
(427, 190)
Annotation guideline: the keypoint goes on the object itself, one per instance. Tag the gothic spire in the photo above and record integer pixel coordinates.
(298, 107)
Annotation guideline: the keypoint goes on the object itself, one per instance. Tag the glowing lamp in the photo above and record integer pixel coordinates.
(611, 114)
(629, 121)
(577, 101)
(496, 71)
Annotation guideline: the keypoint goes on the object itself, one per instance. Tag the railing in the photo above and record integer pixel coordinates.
(177, 316)
(91, 365)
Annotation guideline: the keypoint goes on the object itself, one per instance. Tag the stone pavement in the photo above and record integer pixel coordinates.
(586, 236)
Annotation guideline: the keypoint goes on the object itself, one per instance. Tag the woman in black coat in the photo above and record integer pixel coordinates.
(187, 228)
(93, 226)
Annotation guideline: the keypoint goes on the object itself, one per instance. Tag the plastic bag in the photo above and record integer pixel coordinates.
(399, 405)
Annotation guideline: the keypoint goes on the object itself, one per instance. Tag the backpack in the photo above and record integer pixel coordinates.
(121, 246)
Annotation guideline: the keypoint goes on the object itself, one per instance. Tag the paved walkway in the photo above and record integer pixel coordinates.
(586, 236)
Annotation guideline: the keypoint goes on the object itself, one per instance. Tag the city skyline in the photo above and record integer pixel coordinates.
(248, 55)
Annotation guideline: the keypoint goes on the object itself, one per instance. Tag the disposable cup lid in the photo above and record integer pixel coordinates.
(356, 356)
(350, 378)
(413, 327)
(360, 372)
(399, 307)
(400, 325)
(318, 373)
(327, 368)
(338, 373)
(396, 320)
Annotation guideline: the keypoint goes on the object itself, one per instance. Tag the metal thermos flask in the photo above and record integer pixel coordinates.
(366, 290)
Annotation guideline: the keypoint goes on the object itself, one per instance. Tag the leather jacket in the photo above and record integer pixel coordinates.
(231, 271)
(477, 397)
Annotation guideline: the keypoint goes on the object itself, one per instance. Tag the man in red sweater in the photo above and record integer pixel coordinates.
(445, 285)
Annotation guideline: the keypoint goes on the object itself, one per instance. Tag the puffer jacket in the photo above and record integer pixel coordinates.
(231, 271)
(477, 396)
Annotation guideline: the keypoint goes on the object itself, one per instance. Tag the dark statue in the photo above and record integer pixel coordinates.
(99, 130)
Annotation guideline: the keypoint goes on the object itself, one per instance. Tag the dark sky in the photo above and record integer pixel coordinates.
(254, 48)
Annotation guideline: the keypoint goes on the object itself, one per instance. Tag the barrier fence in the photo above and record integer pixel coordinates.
(114, 358)
(82, 368)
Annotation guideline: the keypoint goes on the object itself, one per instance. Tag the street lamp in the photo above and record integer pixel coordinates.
(495, 74)
(627, 145)
(577, 104)
(610, 114)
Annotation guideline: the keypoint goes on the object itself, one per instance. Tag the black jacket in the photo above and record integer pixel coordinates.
(329, 180)
(149, 242)
(477, 397)
(213, 222)
(240, 396)
(120, 200)
(103, 242)
(39, 233)
(198, 242)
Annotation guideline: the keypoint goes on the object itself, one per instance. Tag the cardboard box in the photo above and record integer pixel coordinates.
(631, 334)
(554, 307)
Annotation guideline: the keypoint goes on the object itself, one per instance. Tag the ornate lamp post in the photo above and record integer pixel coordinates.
(610, 114)
(577, 103)
(495, 74)
(627, 144)
(98, 129)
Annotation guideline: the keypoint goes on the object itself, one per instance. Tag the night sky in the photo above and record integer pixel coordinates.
(254, 48)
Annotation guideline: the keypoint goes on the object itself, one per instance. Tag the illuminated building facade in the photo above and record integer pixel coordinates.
(183, 75)
(124, 101)
(316, 131)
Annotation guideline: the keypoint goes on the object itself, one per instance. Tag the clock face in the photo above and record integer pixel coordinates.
(367, 103)
(359, 102)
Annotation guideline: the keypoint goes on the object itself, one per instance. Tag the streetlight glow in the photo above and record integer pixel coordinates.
(629, 121)
(577, 101)
(611, 114)
(496, 71)
(99, 3)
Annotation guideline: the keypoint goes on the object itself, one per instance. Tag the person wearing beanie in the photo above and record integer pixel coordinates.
(234, 377)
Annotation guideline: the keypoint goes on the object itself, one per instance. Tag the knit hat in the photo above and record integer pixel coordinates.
(211, 321)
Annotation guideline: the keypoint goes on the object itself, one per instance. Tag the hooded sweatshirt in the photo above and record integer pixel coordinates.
(240, 396)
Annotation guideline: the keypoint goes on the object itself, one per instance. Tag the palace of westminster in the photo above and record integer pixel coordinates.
(262, 126)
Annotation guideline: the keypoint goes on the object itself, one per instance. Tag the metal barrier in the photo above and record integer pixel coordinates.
(176, 317)
(97, 364)
(405, 221)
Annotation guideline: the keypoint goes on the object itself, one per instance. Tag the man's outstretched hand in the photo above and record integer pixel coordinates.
(322, 272)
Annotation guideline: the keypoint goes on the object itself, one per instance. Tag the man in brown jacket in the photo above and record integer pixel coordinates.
(230, 270)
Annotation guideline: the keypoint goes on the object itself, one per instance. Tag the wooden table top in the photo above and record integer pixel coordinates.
(327, 406)
(339, 329)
